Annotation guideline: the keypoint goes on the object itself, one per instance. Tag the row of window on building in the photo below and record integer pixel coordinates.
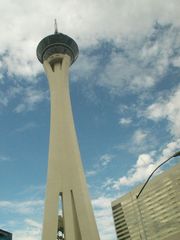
(155, 215)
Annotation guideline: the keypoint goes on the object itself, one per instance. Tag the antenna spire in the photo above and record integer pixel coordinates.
(55, 26)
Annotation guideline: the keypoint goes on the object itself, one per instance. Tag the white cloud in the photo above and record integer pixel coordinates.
(107, 184)
(176, 62)
(36, 191)
(170, 149)
(31, 98)
(25, 207)
(26, 127)
(92, 21)
(106, 159)
(139, 136)
(91, 173)
(9, 94)
(155, 111)
(140, 171)
(84, 68)
(143, 160)
(139, 65)
(33, 223)
(103, 161)
(141, 53)
(101, 202)
(144, 166)
(26, 97)
(4, 158)
(103, 214)
(167, 108)
(30, 231)
(125, 121)
(3, 99)
(142, 140)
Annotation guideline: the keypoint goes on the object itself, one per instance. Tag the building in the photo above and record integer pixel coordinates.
(4, 235)
(66, 190)
(155, 215)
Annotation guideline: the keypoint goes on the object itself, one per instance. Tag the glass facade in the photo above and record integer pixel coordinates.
(155, 214)
(5, 235)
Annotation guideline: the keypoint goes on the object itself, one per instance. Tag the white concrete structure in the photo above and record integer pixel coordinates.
(155, 215)
(66, 180)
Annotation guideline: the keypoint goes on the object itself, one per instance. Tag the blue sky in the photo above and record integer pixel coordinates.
(125, 93)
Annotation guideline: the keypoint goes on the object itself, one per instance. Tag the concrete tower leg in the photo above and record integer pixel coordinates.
(65, 170)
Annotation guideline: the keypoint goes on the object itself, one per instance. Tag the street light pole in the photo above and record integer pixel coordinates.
(174, 155)
(141, 222)
(137, 196)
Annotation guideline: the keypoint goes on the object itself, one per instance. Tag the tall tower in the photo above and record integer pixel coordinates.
(66, 184)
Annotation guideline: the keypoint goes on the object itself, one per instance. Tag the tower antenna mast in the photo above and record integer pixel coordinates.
(55, 26)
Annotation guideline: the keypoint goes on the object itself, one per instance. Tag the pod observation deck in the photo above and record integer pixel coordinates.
(57, 43)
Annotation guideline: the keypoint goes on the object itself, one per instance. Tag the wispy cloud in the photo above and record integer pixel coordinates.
(141, 140)
(106, 159)
(25, 97)
(145, 164)
(85, 67)
(143, 167)
(141, 64)
(31, 230)
(26, 127)
(139, 136)
(30, 99)
(103, 161)
(133, 60)
(33, 192)
(4, 158)
(24, 207)
(144, 61)
(167, 108)
(91, 173)
(103, 213)
(176, 61)
(125, 121)
(6, 95)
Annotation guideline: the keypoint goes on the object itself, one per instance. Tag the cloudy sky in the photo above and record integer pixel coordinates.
(125, 92)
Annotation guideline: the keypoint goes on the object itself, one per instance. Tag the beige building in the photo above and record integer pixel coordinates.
(155, 214)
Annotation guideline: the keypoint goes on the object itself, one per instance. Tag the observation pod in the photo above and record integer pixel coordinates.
(68, 212)
(57, 43)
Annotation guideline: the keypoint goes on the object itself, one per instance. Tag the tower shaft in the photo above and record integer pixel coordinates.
(65, 178)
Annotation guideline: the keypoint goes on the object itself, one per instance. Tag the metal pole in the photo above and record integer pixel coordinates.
(144, 185)
(174, 155)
